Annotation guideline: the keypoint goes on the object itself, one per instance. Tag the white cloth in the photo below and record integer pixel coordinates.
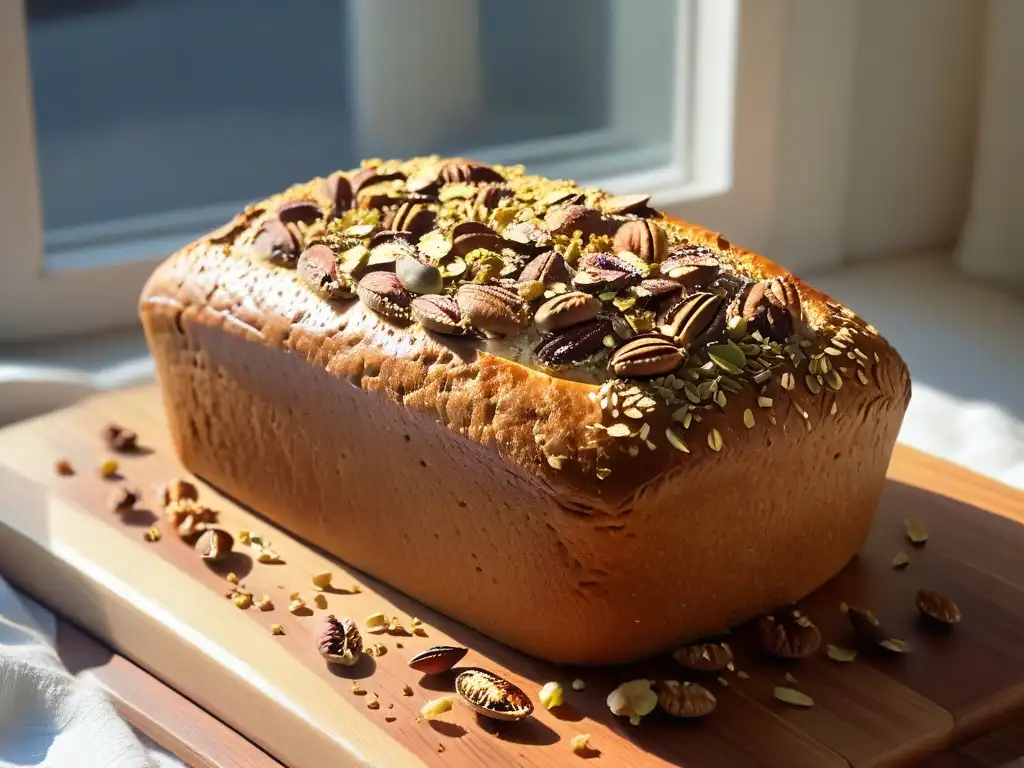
(48, 717)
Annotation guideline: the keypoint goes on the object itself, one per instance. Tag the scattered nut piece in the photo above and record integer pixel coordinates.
(320, 601)
(119, 439)
(440, 747)
(685, 699)
(376, 620)
(864, 624)
(551, 695)
(244, 537)
(916, 531)
(373, 704)
(265, 603)
(377, 649)
(789, 678)
(900, 560)
(722, 681)
(357, 689)
(269, 557)
(580, 742)
(122, 500)
(394, 627)
(276, 629)
(439, 659)
(322, 580)
(340, 641)
(938, 607)
(232, 577)
(742, 675)
(355, 589)
(788, 635)
(178, 490)
(297, 606)
(704, 657)
(633, 699)
(294, 595)
(214, 545)
(390, 719)
(108, 469)
(189, 517)
(153, 534)
(407, 690)
(243, 600)
(63, 467)
(793, 697)
(436, 707)
(895, 645)
(578, 684)
(840, 654)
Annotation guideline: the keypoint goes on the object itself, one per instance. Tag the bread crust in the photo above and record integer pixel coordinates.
(468, 480)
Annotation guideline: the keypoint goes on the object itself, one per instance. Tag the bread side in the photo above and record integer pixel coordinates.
(497, 491)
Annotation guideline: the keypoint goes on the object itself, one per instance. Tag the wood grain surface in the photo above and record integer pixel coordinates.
(165, 609)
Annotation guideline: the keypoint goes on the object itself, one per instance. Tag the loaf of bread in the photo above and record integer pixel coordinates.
(581, 427)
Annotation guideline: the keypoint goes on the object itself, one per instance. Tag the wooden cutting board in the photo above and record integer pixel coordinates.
(160, 605)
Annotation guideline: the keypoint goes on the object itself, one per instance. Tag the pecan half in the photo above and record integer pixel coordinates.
(466, 240)
(438, 313)
(299, 212)
(566, 219)
(643, 238)
(788, 635)
(647, 355)
(786, 294)
(693, 266)
(690, 317)
(459, 170)
(492, 308)
(704, 657)
(277, 242)
(367, 177)
(621, 205)
(318, 269)
(685, 699)
(340, 641)
(383, 293)
(490, 195)
(565, 310)
(576, 344)
(337, 190)
(761, 309)
(938, 607)
(547, 268)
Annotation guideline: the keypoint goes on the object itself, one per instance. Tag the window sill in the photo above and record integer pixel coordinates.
(957, 336)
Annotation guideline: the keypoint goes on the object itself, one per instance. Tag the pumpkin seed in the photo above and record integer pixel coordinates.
(676, 441)
(916, 531)
(793, 697)
(840, 654)
(715, 440)
(900, 560)
(748, 418)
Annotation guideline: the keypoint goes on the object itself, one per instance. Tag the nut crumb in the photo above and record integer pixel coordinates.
(578, 684)
(63, 468)
(276, 629)
(436, 707)
(917, 533)
(108, 469)
(580, 742)
(269, 557)
(723, 682)
(440, 747)
(373, 704)
(320, 601)
(178, 490)
(243, 600)
(742, 675)
(407, 690)
(357, 689)
(322, 580)
(245, 537)
(789, 678)
(265, 603)
(153, 534)
(119, 439)
(298, 606)
(355, 589)
(551, 695)
(390, 719)
(232, 578)
(900, 560)
(377, 649)
(376, 621)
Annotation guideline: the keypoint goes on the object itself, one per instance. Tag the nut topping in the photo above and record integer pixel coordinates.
(383, 293)
(214, 545)
(413, 217)
(704, 657)
(937, 607)
(417, 277)
(122, 500)
(789, 635)
(338, 191)
(620, 205)
(299, 212)
(546, 268)
(492, 308)
(119, 439)
(463, 171)
(340, 641)
(318, 269)
(436, 660)
(786, 294)
(566, 310)
(575, 344)
(760, 307)
(691, 317)
(685, 699)
(437, 313)
(277, 242)
(367, 177)
(633, 700)
(647, 355)
(551, 695)
(567, 219)
(492, 696)
(189, 518)
(917, 533)
(644, 238)
(793, 697)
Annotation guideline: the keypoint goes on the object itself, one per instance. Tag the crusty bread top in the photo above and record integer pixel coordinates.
(589, 339)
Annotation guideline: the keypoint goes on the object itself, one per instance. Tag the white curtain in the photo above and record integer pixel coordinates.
(992, 244)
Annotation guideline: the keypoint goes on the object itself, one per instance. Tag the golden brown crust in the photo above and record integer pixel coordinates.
(511, 530)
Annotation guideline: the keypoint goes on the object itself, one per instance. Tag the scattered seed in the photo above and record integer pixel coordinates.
(243, 600)
(551, 695)
(265, 604)
(578, 684)
(357, 689)
(840, 654)
(276, 629)
(407, 690)
(153, 534)
(900, 560)
(297, 606)
(916, 531)
(63, 467)
(742, 675)
(373, 704)
(322, 580)
(788, 677)
(580, 742)
(320, 601)
(435, 707)
(723, 682)
(895, 645)
(390, 719)
(938, 607)
(375, 620)
(232, 577)
(792, 697)
(715, 440)
(436, 660)
(245, 537)
(108, 469)
(122, 500)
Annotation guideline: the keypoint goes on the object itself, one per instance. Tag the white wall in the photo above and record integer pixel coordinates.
(912, 137)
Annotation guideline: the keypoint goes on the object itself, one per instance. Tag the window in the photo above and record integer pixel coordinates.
(133, 126)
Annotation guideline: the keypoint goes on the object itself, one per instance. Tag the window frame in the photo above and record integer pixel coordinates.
(91, 275)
